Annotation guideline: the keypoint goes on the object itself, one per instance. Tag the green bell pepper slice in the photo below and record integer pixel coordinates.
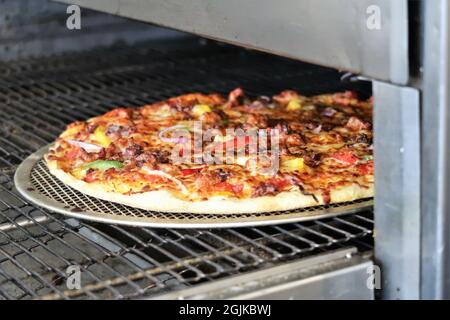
(104, 165)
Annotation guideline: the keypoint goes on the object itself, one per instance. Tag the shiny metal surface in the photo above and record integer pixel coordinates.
(340, 274)
(332, 33)
(32, 28)
(35, 183)
(435, 223)
(397, 189)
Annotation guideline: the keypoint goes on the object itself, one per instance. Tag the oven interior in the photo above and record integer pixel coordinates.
(40, 96)
(50, 76)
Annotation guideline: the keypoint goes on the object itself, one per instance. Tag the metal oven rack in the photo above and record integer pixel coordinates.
(404, 47)
(38, 97)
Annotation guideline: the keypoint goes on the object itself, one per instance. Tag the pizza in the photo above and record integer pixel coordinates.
(206, 153)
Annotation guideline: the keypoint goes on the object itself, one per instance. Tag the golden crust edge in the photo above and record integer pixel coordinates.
(164, 201)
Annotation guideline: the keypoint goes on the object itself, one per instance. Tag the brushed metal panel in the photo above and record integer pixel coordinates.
(435, 273)
(332, 33)
(397, 189)
(342, 274)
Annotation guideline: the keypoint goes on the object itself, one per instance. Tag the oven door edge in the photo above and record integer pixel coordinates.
(397, 189)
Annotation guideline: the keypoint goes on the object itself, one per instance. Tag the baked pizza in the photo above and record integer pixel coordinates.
(206, 153)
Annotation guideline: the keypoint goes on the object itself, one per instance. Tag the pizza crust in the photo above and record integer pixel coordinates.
(164, 201)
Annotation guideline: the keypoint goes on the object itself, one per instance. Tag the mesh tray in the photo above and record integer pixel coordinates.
(34, 181)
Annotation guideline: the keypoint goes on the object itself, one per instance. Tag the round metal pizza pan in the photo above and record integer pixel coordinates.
(34, 181)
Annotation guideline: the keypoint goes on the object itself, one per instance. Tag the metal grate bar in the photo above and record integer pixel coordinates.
(51, 254)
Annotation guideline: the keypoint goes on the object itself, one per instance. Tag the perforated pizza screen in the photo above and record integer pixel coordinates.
(47, 190)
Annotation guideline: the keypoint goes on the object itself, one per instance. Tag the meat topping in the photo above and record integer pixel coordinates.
(162, 156)
(123, 131)
(132, 151)
(222, 175)
(356, 124)
(146, 157)
(236, 97)
(294, 140)
(256, 120)
(311, 158)
(91, 127)
(264, 189)
(361, 138)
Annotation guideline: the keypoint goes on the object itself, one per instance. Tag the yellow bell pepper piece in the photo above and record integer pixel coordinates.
(101, 137)
(223, 194)
(294, 104)
(200, 109)
(79, 172)
(291, 165)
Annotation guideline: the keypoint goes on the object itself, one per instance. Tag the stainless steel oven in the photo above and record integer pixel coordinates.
(394, 50)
